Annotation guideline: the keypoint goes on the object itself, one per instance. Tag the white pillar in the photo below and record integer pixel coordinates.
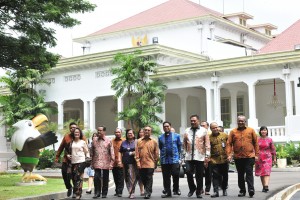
(297, 96)
(86, 114)
(92, 114)
(120, 109)
(60, 114)
(208, 105)
(252, 121)
(217, 117)
(288, 93)
(233, 105)
(183, 115)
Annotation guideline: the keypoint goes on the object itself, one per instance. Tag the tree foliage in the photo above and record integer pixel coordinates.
(26, 33)
(23, 101)
(144, 96)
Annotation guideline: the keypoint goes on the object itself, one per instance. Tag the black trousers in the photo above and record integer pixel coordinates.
(169, 170)
(208, 174)
(118, 174)
(104, 174)
(220, 176)
(197, 167)
(66, 176)
(245, 166)
(147, 179)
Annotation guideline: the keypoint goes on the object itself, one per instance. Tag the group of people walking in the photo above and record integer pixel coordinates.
(202, 147)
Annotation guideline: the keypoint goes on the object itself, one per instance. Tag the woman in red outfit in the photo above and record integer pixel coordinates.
(267, 157)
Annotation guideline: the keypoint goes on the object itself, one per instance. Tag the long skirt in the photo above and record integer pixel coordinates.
(131, 177)
(77, 177)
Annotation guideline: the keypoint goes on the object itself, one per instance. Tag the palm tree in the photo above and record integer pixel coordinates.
(144, 96)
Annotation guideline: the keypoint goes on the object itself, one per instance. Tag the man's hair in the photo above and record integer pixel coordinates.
(72, 123)
(197, 116)
(206, 123)
(166, 122)
(104, 128)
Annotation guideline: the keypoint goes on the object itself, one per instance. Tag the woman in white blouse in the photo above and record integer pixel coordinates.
(79, 152)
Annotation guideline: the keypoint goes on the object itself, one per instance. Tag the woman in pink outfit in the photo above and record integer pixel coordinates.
(267, 157)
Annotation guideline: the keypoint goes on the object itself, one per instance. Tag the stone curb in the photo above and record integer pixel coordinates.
(52, 196)
(285, 194)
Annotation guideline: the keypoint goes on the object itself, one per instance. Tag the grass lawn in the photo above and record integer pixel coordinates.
(9, 190)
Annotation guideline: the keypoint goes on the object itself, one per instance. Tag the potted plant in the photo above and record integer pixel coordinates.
(281, 155)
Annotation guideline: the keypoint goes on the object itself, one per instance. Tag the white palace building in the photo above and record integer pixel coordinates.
(215, 65)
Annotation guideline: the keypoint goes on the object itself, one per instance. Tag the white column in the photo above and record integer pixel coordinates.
(183, 115)
(208, 105)
(86, 114)
(252, 121)
(288, 93)
(217, 110)
(60, 114)
(233, 106)
(120, 109)
(92, 114)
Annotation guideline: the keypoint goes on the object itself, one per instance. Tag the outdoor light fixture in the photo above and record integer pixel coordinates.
(155, 40)
(275, 103)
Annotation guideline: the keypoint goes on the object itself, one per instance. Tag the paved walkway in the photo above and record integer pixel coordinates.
(283, 186)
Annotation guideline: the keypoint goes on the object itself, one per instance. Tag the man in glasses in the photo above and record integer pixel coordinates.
(146, 159)
(66, 173)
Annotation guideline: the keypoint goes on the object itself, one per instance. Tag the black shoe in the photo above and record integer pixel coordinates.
(178, 192)
(265, 189)
(69, 192)
(215, 194)
(242, 194)
(164, 191)
(199, 196)
(104, 196)
(119, 195)
(115, 194)
(251, 193)
(96, 196)
(224, 192)
(166, 195)
(89, 192)
(147, 196)
(191, 193)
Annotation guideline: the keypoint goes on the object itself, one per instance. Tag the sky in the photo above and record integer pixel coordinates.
(277, 12)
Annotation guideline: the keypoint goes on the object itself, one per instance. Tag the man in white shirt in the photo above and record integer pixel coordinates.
(197, 152)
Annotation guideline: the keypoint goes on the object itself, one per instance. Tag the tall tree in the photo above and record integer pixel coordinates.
(23, 101)
(144, 96)
(25, 32)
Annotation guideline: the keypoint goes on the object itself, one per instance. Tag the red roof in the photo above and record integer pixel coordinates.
(284, 41)
(172, 10)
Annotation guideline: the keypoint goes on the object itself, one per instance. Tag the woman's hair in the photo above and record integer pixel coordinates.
(138, 134)
(127, 130)
(263, 128)
(81, 134)
(95, 135)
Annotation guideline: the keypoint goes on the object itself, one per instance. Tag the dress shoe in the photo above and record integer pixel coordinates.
(191, 193)
(241, 194)
(104, 196)
(215, 194)
(115, 194)
(119, 195)
(89, 192)
(147, 196)
(251, 193)
(199, 196)
(178, 192)
(96, 196)
(166, 195)
(69, 192)
(164, 191)
(224, 192)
